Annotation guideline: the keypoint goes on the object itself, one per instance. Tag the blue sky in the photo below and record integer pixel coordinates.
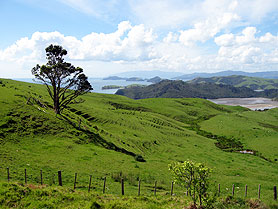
(110, 36)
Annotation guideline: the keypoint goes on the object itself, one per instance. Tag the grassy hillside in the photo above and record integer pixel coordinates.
(240, 81)
(115, 131)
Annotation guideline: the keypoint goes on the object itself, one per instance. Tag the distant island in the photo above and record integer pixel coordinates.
(121, 87)
(111, 87)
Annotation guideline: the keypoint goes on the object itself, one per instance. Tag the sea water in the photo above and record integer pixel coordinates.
(98, 83)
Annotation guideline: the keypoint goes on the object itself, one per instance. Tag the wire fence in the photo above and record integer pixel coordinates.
(103, 187)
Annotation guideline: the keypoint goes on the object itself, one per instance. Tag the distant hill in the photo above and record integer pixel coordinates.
(155, 79)
(240, 81)
(149, 74)
(267, 74)
(181, 89)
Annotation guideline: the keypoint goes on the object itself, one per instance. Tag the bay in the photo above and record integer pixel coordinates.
(98, 83)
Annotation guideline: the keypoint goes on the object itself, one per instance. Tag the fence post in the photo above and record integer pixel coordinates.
(123, 187)
(8, 173)
(233, 191)
(218, 189)
(172, 188)
(275, 192)
(246, 190)
(259, 192)
(90, 181)
(104, 182)
(25, 176)
(41, 178)
(60, 178)
(155, 187)
(139, 187)
(75, 177)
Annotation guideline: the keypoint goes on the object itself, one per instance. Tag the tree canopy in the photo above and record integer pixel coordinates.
(64, 82)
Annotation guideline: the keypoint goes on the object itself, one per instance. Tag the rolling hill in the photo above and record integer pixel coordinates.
(109, 135)
(254, 83)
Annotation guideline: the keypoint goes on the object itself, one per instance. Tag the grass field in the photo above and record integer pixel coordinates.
(107, 134)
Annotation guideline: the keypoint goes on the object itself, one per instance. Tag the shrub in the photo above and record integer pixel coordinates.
(139, 158)
(194, 176)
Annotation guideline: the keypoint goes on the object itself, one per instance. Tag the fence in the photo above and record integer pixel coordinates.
(122, 185)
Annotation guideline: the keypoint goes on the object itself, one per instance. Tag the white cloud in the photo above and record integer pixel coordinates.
(247, 49)
(254, 11)
(225, 40)
(127, 43)
(136, 47)
(142, 46)
(180, 13)
(207, 29)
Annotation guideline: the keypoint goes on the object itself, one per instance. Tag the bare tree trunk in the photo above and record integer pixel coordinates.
(56, 105)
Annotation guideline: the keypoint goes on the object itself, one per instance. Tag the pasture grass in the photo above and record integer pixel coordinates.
(104, 136)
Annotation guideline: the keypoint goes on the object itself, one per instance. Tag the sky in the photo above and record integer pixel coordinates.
(106, 37)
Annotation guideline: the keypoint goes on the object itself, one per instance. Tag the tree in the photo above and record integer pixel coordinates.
(63, 81)
(194, 176)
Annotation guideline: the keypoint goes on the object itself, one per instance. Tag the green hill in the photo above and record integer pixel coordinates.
(181, 89)
(240, 81)
(112, 136)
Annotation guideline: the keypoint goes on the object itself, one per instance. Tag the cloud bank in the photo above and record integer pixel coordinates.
(200, 36)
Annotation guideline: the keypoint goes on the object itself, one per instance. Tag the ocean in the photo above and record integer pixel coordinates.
(98, 83)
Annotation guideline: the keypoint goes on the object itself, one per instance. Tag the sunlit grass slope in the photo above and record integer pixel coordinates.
(257, 130)
(107, 135)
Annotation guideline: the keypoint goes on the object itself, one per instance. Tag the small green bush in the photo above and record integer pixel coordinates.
(139, 158)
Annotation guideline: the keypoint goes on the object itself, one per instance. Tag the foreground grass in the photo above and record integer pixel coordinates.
(13, 195)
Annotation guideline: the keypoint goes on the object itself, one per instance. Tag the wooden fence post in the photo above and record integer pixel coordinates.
(155, 187)
(259, 192)
(172, 188)
(90, 181)
(233, 191)
(275, 192)
(218, 189)
(25, 176)
(123, 187)
(246, 190)
(104, 182)
(8, 173)
(60, 178)
(41, 177)
(139, 187)
(75, 177)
